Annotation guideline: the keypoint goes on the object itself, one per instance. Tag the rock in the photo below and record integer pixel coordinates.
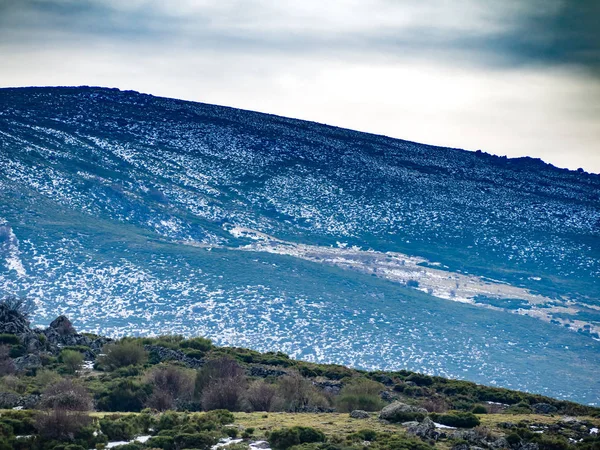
(330, 386)
(500, 443)
(9, 400)
(544, 408)
(359, 414)
(12, 322)
(160, 354)
(390, 411)
(23, 363)
(529, 446)
(384, 379)
(412, 423)
(264, 372)
(425, 430)
(62, 325)
(461, 446)
(387, 396)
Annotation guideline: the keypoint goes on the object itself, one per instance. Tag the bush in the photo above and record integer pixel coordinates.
(60, 424)
(124, 395)
(223, 393)
(7, 366)
(361, 394)
(288, 437)
(118, 429)
(479, 409)
(197, 343)
(169, 383)
(420, 379)
(164, 442)
(122, 354)
(203, 440)
(456, 419)
(67, 395)
(72, 360)
(298, 393)
(9, 339)
(261, 395)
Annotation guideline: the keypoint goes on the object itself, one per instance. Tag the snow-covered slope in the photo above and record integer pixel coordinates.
(138, 214)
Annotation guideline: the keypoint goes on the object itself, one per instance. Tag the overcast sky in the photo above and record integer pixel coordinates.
(510, 77)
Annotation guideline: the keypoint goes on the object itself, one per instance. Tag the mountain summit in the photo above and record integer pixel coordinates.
(135, 214)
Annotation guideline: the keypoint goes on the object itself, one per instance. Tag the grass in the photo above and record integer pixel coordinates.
(329, 423)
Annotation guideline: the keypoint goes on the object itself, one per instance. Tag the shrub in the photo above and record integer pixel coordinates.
(60, 423)
(203, 440)
(118, 429)
(456, 419)
(122, 354)
(420, 379)
(360, 394)
(298, 393)
(124, 395)
(197, 343)
(479, 409)
(164, 442)
(366, 435)
(223, 393)
(67, 395)
(9, 339)
(261, 395)
(72, 360)
(288, 437)
(169, 383)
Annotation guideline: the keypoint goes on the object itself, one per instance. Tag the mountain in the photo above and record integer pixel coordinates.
(135, 214)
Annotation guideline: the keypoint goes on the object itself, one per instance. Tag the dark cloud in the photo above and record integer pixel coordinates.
(535, 32)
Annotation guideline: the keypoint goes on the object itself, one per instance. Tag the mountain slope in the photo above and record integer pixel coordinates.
(139, 214)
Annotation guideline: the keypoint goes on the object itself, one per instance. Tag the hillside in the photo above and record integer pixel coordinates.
(62, 390)
(138, 215)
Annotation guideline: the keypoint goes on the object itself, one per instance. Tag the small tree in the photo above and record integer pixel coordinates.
(169, 383)
(67, 395)
(72, 360)
(361, 394)
(261, 395)
(122, 354)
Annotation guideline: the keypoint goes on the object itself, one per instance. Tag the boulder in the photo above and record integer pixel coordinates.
(62, 325)
(460, 446)
(359, 414)
(391, 410)
(544, 408)
(424, 430)
(23, 363)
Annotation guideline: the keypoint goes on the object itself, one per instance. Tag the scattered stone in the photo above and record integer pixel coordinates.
(359, 414)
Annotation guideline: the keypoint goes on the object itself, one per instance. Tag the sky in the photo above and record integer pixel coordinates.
(509, 77)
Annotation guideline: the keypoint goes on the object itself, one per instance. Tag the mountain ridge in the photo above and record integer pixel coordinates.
(105, 190)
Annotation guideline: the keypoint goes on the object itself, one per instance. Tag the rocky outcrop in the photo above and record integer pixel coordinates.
(264, 371)
(424, 430)
(161, 354)
(27, 362)
(393, 409)
(62, 325)
(359, 414)
(9, 400)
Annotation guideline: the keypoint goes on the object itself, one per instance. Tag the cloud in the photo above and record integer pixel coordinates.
(510, 77)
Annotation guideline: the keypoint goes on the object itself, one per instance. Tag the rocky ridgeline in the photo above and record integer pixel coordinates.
(49, 341)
